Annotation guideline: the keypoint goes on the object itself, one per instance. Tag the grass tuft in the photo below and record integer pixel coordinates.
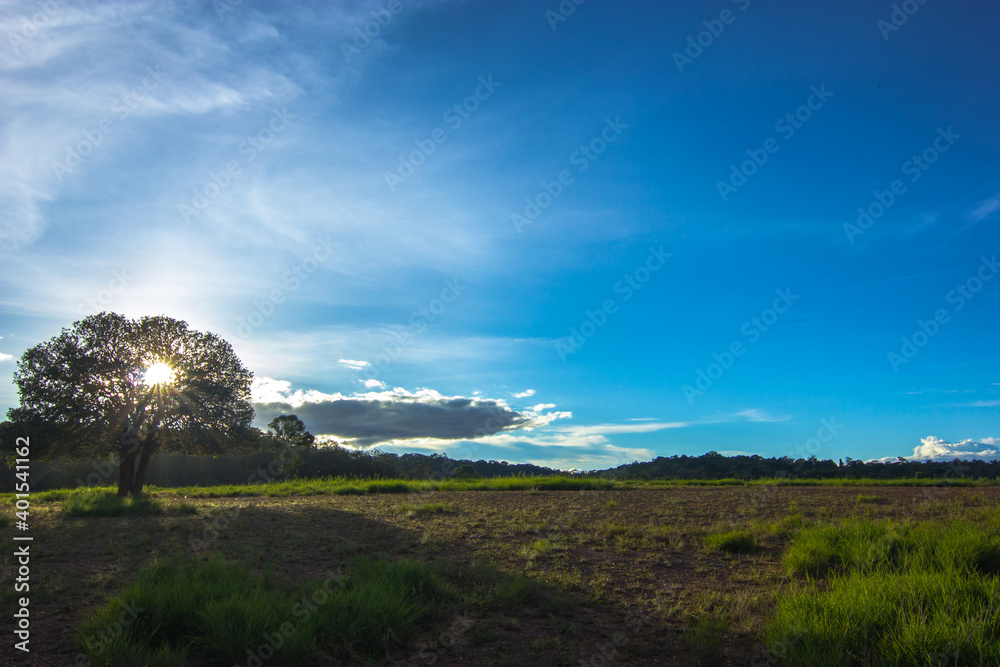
(102, 502)
(734, 541)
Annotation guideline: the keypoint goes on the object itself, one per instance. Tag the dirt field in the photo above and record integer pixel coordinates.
(629, 577)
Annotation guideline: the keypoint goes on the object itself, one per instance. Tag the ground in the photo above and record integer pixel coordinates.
(627, 575)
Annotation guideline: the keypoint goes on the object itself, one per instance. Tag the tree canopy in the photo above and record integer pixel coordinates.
(127, 387)
(289, 430)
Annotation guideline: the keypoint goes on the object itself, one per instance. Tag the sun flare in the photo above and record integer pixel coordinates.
(158, 373)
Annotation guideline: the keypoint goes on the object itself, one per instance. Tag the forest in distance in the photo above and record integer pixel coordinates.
(173, 469)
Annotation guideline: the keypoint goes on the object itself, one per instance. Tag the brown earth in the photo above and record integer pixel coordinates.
(630, 579)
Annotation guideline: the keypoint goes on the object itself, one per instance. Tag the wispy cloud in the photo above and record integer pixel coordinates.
(755, 415)
(524, 394)
(610, 429)
(984, 209)
(991, 403)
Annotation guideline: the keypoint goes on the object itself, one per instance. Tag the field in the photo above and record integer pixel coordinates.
(656, 575)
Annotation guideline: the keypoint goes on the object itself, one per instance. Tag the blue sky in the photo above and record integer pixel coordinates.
(574, 235)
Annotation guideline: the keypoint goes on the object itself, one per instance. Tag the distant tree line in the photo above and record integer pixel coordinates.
(716, 466)
(277, 461)
(176, 469)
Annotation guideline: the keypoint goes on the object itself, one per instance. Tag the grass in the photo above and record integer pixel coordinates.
(223, 613)
(542, 546)
(354, 486)
(104, 502)
(734, 541)
(349, 486)
(889, 592)
(867, 545)
(901, 618)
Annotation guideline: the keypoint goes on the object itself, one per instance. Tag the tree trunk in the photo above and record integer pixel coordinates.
(148, 445)
(126, 473)
(128, 448)
(140, 474)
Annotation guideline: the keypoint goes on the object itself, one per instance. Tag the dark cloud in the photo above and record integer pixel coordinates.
(374, 418)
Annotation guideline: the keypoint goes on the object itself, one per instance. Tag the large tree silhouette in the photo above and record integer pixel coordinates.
(89, 391)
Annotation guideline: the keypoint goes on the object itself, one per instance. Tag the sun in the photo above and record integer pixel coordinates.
(158, 373)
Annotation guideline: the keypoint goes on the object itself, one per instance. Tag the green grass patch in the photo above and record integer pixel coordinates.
(866, 545)
(733, 541)
(542, 546)
(895, 593)
(103, 501)
(904, 618)
(787, 526)
(353, 486)
(220, 612)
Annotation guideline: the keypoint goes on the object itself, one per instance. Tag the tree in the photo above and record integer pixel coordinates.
(290, 430)
(126, 387)
(465, 471)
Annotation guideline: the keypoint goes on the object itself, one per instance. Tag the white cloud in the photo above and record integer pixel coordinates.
(5, 357)
(560, 450)
(375, 384)
(354, 364)
(985, 209)
(524, 394)
(936, 449)
(756, 415)
(602, 429)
